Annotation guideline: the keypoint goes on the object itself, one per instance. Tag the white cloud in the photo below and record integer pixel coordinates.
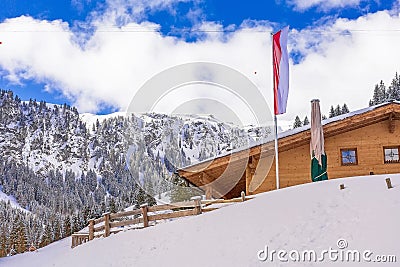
(343, 63)
(324, 4)
(350, 58)
(116, 62)
(127, 10)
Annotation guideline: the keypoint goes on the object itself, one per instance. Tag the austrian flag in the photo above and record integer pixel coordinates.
(281, 70)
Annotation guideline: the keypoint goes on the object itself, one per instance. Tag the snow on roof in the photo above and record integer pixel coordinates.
(334, 119)
(294, 131)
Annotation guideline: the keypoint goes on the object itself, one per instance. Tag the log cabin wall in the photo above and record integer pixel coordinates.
(368, 131)
(294, 164)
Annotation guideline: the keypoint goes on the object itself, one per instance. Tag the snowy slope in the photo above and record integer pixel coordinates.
(11, 200)
(306, 217)
(91, 119)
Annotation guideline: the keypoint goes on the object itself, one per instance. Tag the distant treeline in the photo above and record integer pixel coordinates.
(381, 94)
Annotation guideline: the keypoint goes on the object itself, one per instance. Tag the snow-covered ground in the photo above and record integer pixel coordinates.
(365, 216)
(11, 200)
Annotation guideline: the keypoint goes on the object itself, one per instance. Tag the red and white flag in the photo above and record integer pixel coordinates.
(281, 70)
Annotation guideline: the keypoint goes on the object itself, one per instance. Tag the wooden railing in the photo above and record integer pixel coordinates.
(146, 216)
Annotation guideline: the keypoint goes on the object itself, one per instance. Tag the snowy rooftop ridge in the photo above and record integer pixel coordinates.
(291, 132)
(334, 119)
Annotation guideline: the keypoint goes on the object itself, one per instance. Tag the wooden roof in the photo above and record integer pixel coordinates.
(208, 171)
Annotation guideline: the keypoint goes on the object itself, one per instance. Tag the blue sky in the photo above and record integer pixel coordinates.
(222, 11)
(95, 54)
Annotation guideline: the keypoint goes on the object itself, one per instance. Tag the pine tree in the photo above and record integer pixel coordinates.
(67, 226)
(22, 238)
(383, 95)
(375, 97)
(56, 229)
(14, 235)
(345, 109)
(3, 242)
(142, 198)
(75, 223)
(112, 207)
(380, 95)
(338, 110)
(297, 122)
(393, 92)
(181, 191)
(306, 121)
(46, 237)
(332, 112)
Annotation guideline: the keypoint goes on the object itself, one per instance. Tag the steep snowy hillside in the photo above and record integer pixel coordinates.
(50, 137)
(65, 168)
(337, 225)
(11, 200)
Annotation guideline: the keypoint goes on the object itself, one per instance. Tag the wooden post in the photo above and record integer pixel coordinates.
(106, 224)
(91, 229)
(208, 192)
(243, 195)
(144, 212)
(341, 186)
(389, 183)
(197, 205)
(248, 178)
(73, 241)
(250, 171)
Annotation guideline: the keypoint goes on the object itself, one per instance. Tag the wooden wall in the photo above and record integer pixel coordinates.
(294, 164)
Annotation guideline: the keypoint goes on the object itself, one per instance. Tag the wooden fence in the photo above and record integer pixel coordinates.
(140, 218)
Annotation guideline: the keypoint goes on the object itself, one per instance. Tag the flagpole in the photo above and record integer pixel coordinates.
(275, 120)
(276, 152)
(280, 67)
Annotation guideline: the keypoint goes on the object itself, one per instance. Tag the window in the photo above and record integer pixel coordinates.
(391, 154)
(349, 156)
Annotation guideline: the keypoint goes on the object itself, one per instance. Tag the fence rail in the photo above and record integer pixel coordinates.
(113, 222)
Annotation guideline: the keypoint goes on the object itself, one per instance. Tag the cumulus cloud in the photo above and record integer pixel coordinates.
(115, 62)
(127, 10)
(341, 61)
(324, 4)
(344, 61)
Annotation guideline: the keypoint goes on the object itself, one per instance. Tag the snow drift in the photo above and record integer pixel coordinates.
(364, 216)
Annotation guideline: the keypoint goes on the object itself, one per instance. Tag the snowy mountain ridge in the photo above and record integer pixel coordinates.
(53, 137)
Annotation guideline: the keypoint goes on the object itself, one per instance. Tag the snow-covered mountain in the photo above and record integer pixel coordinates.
(67, 167)
(52, 137)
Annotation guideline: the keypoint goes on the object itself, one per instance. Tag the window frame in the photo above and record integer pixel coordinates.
(349, 149)
(392, 161)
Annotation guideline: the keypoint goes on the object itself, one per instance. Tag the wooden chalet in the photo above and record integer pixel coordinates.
(359, 143)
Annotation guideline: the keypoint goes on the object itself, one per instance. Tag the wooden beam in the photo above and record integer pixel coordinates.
(253, 161)
(382, 113)
(391, 122)
(106, 224)
(250, 170)
(91, 229)
(210, 190)
(144, 213)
